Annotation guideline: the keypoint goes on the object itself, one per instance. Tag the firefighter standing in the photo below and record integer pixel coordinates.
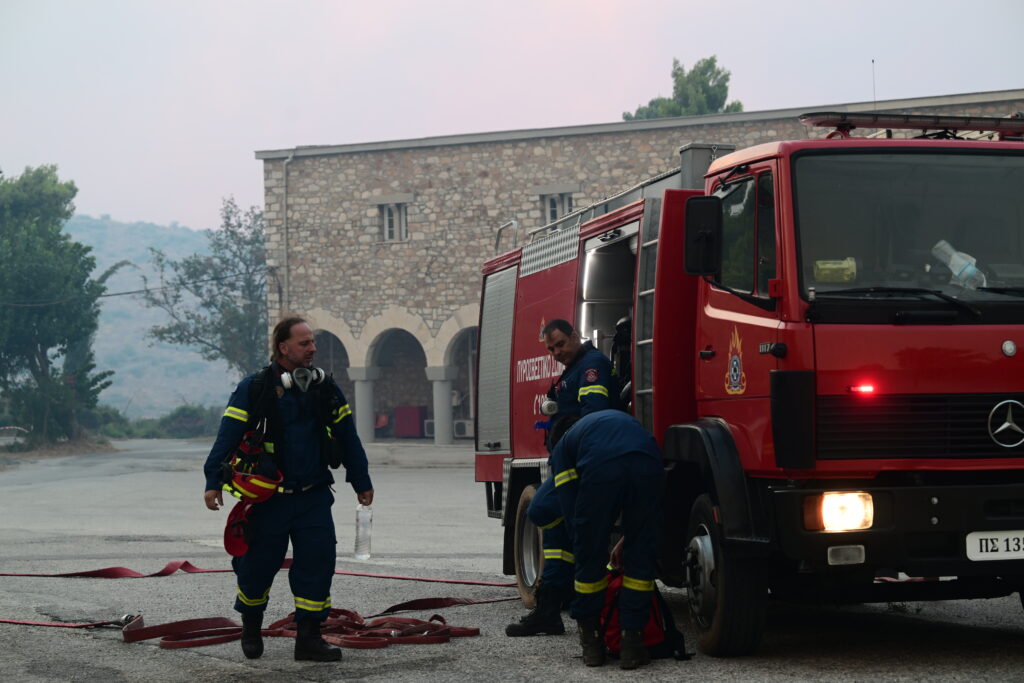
(304, 437)
(584, 387)
(604, 465)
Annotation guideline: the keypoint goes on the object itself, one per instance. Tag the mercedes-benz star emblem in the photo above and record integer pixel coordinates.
(1009, 348)
(1002, 424)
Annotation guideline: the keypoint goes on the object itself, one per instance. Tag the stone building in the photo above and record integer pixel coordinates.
(380, 244)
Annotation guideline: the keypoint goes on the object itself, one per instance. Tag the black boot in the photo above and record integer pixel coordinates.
(252, 635)
(633, 653)
(545, 618)
(591, 642)
(310, 646)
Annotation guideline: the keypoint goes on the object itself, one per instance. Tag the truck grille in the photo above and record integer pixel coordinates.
(909, 426)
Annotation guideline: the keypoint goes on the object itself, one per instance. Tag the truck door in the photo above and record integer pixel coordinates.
(738, 331)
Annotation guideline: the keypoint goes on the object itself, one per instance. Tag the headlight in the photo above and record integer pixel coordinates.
(839, 511)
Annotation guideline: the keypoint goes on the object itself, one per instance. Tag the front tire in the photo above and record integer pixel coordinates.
(528, 550)
(726, 595)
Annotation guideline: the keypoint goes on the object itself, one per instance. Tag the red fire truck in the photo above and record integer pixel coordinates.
(824, 340)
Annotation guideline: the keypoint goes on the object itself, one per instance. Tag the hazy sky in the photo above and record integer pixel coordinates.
(155, 108)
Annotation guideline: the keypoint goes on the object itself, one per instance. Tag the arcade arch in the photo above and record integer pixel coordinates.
(402, 392)
(332, 356)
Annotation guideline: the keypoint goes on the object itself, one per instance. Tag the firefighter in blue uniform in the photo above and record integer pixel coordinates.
(309, 427)
(607, 464)
(585, 386)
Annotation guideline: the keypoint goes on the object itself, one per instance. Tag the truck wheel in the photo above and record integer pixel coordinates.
(529, 553)
(726, 595)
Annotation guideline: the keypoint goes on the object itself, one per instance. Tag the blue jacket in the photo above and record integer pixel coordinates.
(298, 447)
(586, 385)
(597, 438)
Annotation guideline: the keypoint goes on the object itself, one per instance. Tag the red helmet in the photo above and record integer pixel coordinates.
(235, 541)
(252, 488)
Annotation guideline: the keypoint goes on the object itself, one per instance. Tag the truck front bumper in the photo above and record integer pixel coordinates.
(920, 531)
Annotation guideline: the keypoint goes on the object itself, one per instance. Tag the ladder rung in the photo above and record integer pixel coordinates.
(646, 292)
(644, 341)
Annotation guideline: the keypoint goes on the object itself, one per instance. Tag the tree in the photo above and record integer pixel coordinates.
(49, 308)
(701, 90)
(218, 302)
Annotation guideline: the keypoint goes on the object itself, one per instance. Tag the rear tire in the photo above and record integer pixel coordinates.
(528, 550)
(726, 595)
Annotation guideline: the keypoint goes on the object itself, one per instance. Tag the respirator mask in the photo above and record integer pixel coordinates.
(302, 378)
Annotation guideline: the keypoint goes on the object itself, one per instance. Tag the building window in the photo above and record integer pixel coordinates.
(556, 205)
(394, 226)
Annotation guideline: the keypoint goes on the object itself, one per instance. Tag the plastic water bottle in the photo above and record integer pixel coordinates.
(965, 273)
(364, 517)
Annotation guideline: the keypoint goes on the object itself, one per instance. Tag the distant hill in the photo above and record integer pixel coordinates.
(151, 378)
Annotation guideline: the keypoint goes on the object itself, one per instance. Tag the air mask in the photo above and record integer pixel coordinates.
(302, 378)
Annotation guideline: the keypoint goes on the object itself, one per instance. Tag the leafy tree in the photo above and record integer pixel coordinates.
(218, 302)
(48, 308)
(701, 90)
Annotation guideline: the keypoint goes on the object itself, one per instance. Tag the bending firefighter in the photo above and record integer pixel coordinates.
(605, 465)
(283, 427)
(585, 386)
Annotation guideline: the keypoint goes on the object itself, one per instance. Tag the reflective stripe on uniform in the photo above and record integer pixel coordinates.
(253, 602)
(343, 412)
(268, 446)
(596, 586)
(637, 584)
(312, 605)
(558, 554)
(231, 489)
(566, 476)
(236, 413)
(593, 389)
(553, 524)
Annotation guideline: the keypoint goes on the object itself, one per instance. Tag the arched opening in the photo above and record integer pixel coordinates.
(462, 356)
(332, 357)
(402, 392)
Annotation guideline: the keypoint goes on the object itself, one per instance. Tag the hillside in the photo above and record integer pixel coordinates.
(151, 378)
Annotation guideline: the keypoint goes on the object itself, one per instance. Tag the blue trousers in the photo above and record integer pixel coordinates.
(305, 519)
(546, 514)
(628, 485)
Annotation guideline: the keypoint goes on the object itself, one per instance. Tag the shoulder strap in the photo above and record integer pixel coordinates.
(259, 389)
(262, 405)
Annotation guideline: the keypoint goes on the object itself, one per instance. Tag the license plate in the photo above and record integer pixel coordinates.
(995, 545)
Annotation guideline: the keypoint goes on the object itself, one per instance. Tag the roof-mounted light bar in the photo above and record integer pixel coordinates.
(1009, 128)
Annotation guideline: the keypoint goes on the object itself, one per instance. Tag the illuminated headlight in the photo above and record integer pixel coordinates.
(839, 511)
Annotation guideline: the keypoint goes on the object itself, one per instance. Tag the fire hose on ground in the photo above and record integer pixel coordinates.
(343, 628)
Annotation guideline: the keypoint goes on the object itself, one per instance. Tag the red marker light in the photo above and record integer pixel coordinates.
(861, 389)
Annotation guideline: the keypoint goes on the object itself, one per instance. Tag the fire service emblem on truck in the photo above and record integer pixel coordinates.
(735, 378)
(1002, 425)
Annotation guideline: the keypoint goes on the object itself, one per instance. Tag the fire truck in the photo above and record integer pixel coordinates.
(824, 339)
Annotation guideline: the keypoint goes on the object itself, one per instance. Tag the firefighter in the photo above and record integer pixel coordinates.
(310, 426)
(587, 383)
(585, 386)
(605, 465)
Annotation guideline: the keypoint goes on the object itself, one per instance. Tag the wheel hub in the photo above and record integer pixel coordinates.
(700, 568)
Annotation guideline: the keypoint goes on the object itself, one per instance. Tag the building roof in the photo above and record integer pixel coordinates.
(632, 126)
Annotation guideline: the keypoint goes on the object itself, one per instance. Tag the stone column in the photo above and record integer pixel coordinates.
(441, 376)
(363, 379)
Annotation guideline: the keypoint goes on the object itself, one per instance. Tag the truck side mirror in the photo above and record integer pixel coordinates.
(703, 255)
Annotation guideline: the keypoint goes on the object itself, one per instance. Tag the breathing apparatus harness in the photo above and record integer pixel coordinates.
(252, 472)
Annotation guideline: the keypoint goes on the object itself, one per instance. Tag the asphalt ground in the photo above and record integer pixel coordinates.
(141, 507)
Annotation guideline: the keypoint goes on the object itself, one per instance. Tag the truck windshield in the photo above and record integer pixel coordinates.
(945, 221)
